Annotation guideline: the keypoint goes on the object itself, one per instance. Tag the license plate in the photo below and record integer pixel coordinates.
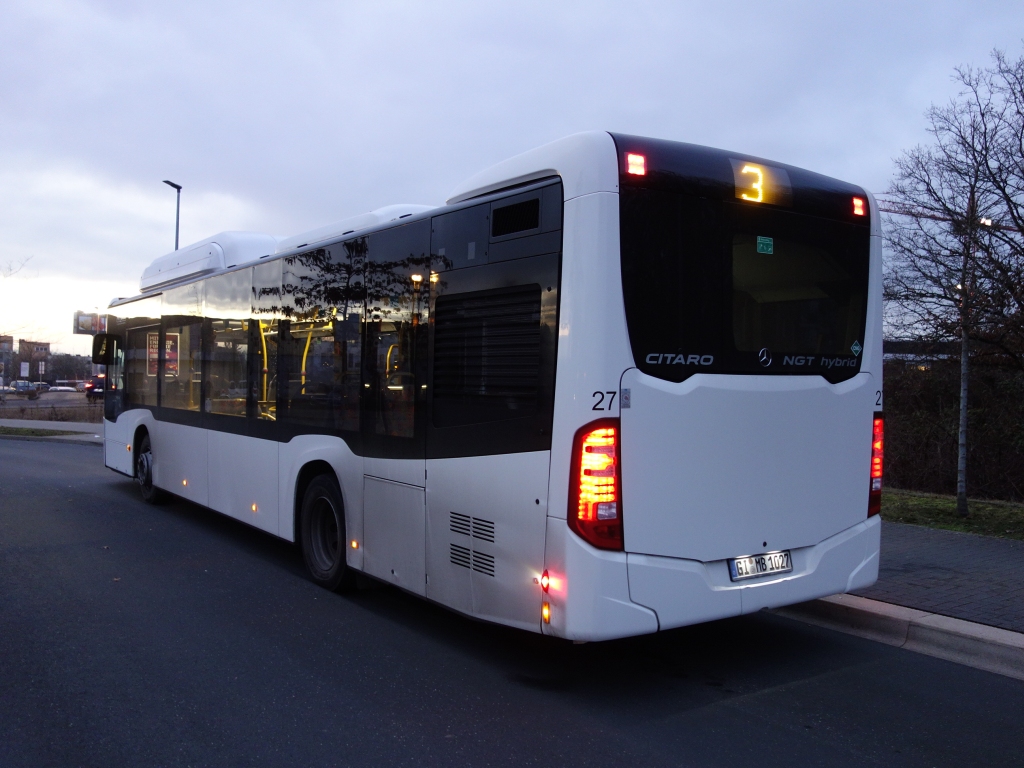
(752, 566)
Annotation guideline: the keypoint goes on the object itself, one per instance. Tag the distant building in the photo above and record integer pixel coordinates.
(33, 350)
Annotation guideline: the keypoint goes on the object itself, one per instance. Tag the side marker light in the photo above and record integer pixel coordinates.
(254, 508)
(545, 612)
(545, 581)
(128, 448)
(184, 482)
(355, 544)
(636, 164)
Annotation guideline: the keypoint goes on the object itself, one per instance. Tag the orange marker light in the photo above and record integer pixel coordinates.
(184, 482)
(858, 207)
(128, 448)
(355, 544)
(636, 164)
(545, 581)
(545, 612)
(254, 508)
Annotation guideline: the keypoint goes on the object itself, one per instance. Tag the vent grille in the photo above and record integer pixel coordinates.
(483, 563)
(460, 556)
(518, 217)
(459, 523)
(487, 352)
(483, 529)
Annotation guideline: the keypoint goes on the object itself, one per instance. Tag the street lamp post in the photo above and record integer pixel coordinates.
(177, 210)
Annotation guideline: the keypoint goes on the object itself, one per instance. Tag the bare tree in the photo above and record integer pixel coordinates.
(13, 267)
(956, 216)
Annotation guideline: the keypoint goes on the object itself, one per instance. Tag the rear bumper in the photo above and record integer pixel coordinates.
(682, 592)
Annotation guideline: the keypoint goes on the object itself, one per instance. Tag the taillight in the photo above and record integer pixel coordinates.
(877, 453)
(595, 498)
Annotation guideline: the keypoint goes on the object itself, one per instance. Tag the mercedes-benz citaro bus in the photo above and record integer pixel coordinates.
(614, 385)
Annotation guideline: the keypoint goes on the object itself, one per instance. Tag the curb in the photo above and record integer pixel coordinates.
(964, 642)
(66, 439)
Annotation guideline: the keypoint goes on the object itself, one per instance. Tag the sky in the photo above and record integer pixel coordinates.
(282, 117)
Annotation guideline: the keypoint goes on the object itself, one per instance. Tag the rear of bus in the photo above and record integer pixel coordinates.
(740, 467)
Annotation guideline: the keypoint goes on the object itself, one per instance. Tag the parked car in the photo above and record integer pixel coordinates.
(94, 388)
(25, 389)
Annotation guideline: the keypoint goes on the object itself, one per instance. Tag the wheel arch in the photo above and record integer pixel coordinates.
(140, 432)
(306, 474)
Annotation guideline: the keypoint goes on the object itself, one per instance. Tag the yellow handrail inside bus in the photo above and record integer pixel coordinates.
(304, 353)
(263, 342)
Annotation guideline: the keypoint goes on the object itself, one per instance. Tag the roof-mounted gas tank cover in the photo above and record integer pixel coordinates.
(223, 250)
(351, 225)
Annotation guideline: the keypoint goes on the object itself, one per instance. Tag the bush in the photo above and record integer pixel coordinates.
(922, 412)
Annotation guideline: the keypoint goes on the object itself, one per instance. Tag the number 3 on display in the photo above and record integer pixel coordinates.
(757, 185)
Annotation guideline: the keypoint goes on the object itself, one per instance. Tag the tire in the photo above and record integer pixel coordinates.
(144, 473)
(322, 535)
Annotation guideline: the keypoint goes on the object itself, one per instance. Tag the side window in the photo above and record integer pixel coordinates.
(181, 360)
(181, 365)
(397, 305)
(266, 314)
(142, 357)
(227, 369)
(113, 397)
(322, 297)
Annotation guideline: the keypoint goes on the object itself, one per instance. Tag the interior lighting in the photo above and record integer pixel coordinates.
(858, 207)
(594, 511)
(636, 164)
(545, 612)
(877, 454)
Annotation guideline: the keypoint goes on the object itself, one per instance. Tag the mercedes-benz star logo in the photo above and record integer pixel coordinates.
(765, 357)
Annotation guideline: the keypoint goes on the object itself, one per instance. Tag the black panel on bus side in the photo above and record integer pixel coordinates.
(488, 321)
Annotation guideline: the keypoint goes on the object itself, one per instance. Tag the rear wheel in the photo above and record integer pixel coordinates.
(322, 535)
(144, 473)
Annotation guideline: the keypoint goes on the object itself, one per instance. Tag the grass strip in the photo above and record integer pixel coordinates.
(32, 432)
(988, 518)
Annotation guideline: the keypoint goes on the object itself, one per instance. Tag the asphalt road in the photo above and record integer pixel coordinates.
(141, 636)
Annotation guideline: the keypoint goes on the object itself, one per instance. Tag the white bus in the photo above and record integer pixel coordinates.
(614, 385)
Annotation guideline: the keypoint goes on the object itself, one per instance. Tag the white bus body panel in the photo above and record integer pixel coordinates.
(244, 470)
(684, 592)
(394, 533)
(489, 513)
(720, 466)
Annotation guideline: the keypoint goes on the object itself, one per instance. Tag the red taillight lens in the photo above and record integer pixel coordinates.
(595, 508)
(877, 453)
(636, 165)
(859, 208)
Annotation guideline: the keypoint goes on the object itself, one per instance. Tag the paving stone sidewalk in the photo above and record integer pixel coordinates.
(976, 578)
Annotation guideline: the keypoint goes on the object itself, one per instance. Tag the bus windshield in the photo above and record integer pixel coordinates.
(715, 286)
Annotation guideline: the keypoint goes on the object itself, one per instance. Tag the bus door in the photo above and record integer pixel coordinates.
(394, 389)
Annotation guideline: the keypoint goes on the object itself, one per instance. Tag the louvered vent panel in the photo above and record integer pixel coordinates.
(483, 529)
(460, 556)
(459, 523)
(486, 355)
(518, 217)
(483, 563)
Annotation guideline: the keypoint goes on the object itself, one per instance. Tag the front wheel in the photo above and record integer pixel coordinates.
(144, 473)
(322, 535)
